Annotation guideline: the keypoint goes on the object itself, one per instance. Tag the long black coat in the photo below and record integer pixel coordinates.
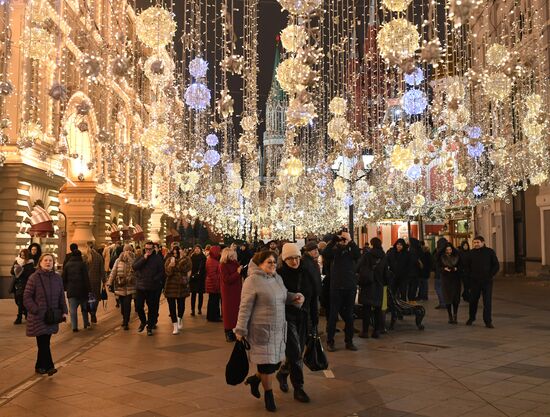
(301, 280)
(198, 273)
(75, 278)
(374, 274)
(342, 269)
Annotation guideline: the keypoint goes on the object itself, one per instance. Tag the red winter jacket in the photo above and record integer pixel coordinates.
(213, 270)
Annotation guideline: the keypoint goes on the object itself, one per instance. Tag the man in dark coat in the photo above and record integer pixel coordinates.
(77, 284)
(399, 261)
(343, 252)
(149, 271)
(427, 264)
(481, 266)
(440, 247)
(415, 271)
(374, 274)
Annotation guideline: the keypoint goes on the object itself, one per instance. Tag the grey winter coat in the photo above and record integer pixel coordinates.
(262, 315)
(35, 302)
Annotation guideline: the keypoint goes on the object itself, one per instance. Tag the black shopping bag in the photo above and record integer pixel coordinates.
(314, 355)
(236, 369)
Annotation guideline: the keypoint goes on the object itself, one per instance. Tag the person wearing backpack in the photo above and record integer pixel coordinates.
(123, 281)
(373, 276)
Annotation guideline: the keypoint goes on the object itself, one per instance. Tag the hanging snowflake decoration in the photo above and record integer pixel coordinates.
(414, 172)
(473, 132)
(159, 68)
(58, 92)
(212, 140)
(478, 192)
(211, 157)
(6, 88)
(414, 78)
(414, 102)
(120, 66)
(197, 96)
(198, 68)
(476, 150)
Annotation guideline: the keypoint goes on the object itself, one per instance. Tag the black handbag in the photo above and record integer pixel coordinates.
(52, 315)
(314, 354)
(236, 369)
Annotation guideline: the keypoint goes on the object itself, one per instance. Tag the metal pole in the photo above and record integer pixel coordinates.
(294, 233)
(420, 228)
(350, 222)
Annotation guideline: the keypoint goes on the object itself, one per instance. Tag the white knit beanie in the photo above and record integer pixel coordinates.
(290, 250)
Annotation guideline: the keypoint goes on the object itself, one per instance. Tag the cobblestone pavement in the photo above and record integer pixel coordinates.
(444, 370)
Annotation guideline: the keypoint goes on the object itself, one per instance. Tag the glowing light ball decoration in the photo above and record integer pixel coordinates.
(414, 78)
(155, 135)
(300, 114)
(338, 129)
(338, 106)
(497, 86)
(294, 37)
(212, 140)
(211, 157)
(198, 68)
(398, 40)
(460, 183)
(159, 68)
(197, 96)
(300, 7)
(36, 42)
(155, 27)
(294, 167)
(539, 178)
(414, 102)
(418, 131)
(347, 200)
(396, 5)
(419, 200)
(476, 150)
(292, 75)
(497, 55)
(401, 158)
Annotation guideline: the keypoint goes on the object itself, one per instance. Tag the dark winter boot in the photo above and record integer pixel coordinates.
(17, 320)
(300, 395)
(254, 382)
(269, 401)
(283, 384)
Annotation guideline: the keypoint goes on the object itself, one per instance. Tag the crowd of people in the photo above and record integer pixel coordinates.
(272, 295)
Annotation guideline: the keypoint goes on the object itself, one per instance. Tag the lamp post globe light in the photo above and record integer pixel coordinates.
(343, 167)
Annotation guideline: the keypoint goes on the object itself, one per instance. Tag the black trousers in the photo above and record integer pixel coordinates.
(21, 310)
(151, 298)
(125, 302)
(44, 356)
(296, 335)
(372, 316)
(485, 289)
(213, 307)
(194, 298)
(178, 302)
(341, 302)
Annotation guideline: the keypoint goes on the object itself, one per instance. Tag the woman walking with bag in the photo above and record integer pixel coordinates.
(44, 300)
(22, 269)
(231, 286)
(262, 321)
(123, 281)
(176, 288)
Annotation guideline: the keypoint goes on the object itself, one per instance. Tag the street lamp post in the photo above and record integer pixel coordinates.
(342, 168)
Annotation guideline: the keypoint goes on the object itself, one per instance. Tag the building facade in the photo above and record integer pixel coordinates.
(73, 106)
(518, 229)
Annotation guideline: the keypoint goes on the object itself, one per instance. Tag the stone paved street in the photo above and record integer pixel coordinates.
(443, 371)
